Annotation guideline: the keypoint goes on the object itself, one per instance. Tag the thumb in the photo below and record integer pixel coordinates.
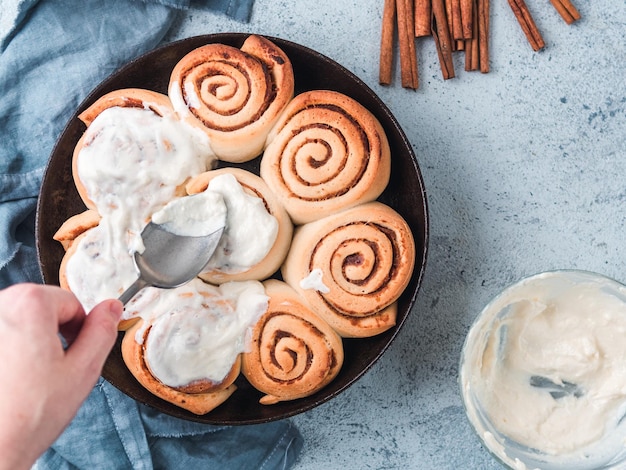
(94, 342)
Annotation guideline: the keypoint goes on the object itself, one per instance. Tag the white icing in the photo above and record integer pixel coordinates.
(569, 328)
(250, 229)
(193, 100)
(193, 216)
(131, 165)
(176, 97)
(315, 281)
(198, 336)
(101, 265)
(133, 160)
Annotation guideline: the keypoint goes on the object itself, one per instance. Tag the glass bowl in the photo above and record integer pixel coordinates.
(543, 373)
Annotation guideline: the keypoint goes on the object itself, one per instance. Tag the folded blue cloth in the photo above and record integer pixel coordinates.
(52, 53)
(113, 432)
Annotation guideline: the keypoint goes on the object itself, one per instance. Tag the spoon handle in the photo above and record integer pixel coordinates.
(132, 290)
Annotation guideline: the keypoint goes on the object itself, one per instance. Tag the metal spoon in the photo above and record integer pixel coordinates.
(170, 260)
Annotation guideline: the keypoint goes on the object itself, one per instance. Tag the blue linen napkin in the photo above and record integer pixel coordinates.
(52, 53)
(113, 432)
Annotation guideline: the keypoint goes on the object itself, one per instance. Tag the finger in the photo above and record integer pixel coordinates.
(70, 314)
(67, 307)
(44, 307)
(85, 357)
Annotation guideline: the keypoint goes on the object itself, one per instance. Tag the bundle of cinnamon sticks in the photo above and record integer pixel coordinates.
(455, 25)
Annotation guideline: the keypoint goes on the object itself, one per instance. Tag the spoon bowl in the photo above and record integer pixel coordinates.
(170, 260)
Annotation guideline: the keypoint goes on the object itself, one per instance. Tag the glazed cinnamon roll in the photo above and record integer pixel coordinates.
(199, 398)
(258, 230)
(294, 352)
(352, 266)
(326, 153)
(97, 264)
(234, 95)
(136, 153)
(186, 348)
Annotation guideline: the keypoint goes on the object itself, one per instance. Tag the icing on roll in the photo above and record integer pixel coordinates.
(189, 340)
(258, 229)
(352, 266)
(294, 352)
(98, 264)
(326, 153)
(197, 331)
(193, 216)
(129, 163)
(233, 95)
(135, 160)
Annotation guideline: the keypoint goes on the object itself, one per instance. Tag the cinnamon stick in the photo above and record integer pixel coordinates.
(483, 34)
(410, 9)
(467, 47)
(457, 24)
(527, 23)
(467, 18)
(448, 10)
(386, 43)
(441, 34)
(567, 10)
(472, 50)
(406, 40)
(422, 18)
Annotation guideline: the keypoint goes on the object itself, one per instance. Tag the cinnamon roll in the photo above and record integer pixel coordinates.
(352, 266)
(326, 153)
(258, 230)
(294, 352)
(97, 264)
(234, 95)
(186, 349)
(205, 395)
(136, 154)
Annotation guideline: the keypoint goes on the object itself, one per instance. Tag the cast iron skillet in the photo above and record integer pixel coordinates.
(59, 200)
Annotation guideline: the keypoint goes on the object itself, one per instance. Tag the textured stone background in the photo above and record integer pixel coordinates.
(525, 172)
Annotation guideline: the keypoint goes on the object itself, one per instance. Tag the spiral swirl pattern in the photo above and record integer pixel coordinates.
(234, 95)
(365, 256)
(326, 153)
(294, 352)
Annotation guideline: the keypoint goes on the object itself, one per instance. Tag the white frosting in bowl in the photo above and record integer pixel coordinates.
(543, 372)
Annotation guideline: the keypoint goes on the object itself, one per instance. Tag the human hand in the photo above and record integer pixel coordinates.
(41, 384)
